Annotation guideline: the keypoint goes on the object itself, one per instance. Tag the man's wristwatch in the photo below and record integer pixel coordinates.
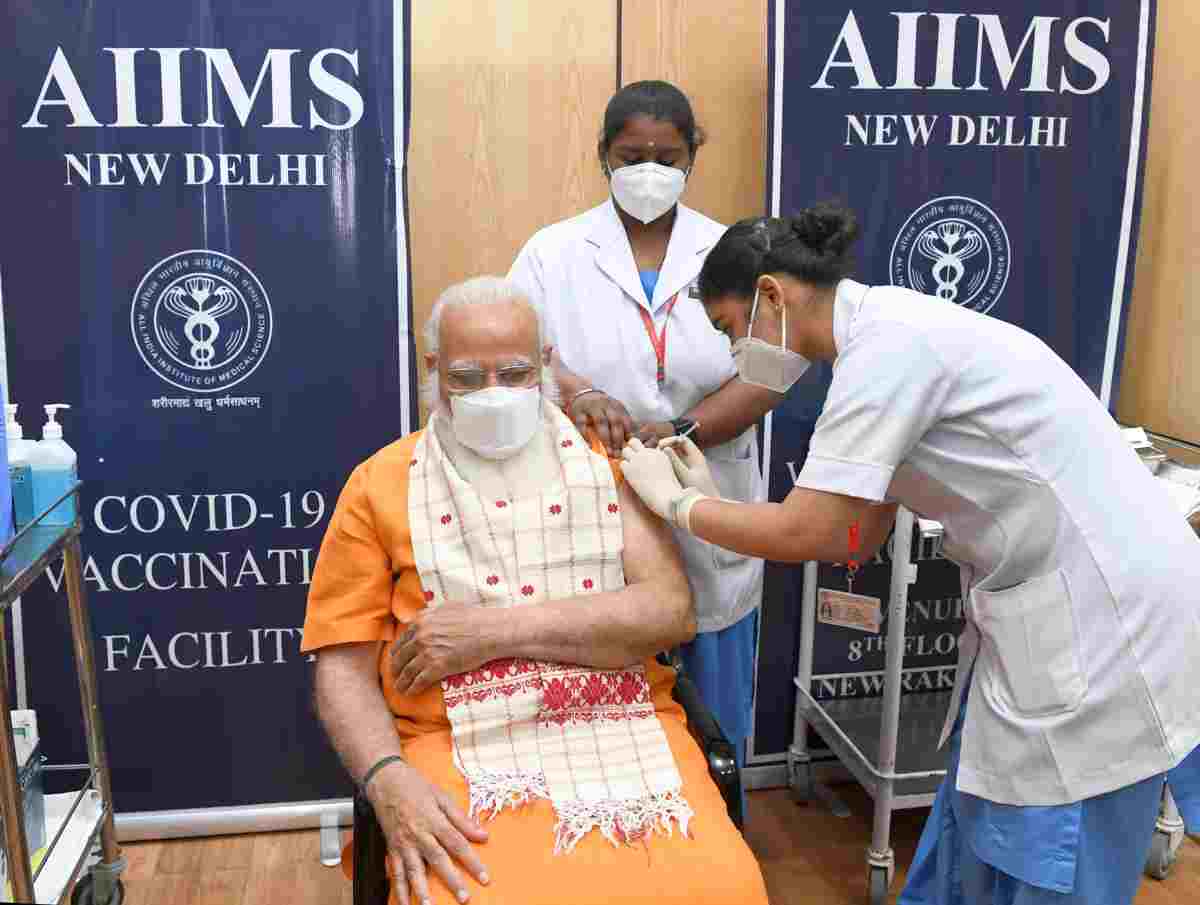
(682, 425)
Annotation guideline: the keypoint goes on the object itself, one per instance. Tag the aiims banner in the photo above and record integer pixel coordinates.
(992, 152)
(203, 251)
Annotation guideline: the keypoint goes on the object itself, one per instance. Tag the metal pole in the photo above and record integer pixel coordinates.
(85, 667)
(798, 756)
(17, 845)
(903, 574)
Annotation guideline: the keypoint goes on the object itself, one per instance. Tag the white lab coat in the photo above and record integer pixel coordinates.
(583, 274)
(1080, 580)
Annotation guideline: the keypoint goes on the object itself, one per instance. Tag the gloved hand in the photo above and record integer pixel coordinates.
(652, 477)
(691, 468)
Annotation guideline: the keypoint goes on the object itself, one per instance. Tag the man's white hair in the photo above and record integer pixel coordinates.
(486, 290)
(481, 291)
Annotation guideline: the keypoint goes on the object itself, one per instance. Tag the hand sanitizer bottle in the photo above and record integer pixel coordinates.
(20, 471)
(55, 471)
(6, 502)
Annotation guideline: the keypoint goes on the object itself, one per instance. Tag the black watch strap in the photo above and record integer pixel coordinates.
(379, 765)
(682, 425)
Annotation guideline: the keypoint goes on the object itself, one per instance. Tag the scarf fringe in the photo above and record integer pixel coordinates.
(492, 792)
(626, 821)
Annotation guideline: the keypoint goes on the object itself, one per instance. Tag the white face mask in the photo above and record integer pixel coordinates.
(761, 364)
(646, 191)
(497, 422)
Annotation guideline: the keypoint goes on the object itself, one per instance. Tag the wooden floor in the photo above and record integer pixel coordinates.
(807, 856)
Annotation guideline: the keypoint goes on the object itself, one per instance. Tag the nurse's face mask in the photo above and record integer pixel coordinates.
(646, 191)
(761, 364)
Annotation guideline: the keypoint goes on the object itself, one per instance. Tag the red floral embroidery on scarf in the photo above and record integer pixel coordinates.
(447, 519)
(598, 696)
(613, 507)
(499, 678)
(500, 504)
(587, 584)
(527, 590)
(428, 596)
(493, 580)
(567, 443)
(555, 509)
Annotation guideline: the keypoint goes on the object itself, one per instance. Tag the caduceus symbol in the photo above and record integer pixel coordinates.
(948, 246)
(200, 319)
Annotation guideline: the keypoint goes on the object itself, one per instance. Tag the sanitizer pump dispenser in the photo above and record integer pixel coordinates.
(55, 471)
(20, 471)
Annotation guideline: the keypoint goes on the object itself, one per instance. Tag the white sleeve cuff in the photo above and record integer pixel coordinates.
(863, 480)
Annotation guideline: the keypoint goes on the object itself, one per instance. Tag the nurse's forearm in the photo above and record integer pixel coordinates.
(729, 411)
(809, 525)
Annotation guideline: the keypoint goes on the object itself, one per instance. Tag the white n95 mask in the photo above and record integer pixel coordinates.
(646, 191)
(497, 422)
(776, 368)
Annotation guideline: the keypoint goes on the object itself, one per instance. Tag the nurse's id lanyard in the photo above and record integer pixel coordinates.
(852, 564)
(659, 340)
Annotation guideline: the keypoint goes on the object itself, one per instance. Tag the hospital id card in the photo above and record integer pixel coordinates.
(849, 610)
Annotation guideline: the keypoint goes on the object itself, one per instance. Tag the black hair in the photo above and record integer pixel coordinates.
(659, 100)
(812, 246)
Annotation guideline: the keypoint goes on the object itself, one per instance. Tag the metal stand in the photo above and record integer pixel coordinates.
(74, 820)
(1168, 836)
(850, 726)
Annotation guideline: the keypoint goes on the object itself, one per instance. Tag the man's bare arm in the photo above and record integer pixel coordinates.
(422, 825)
(609, 630)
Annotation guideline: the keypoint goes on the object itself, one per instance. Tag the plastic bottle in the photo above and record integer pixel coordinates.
(20, 472)
(6, 502)
(55, 471)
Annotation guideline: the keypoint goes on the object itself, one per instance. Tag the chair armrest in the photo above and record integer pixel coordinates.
(718, 750)
(371, 886)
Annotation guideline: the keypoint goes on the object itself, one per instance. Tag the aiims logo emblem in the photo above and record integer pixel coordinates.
(201, 321)
(954, 248)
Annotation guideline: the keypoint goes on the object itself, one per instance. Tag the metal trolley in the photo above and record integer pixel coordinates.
(889, 744)
(74, 820)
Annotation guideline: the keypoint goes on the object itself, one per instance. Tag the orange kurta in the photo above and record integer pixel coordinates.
(365, 586)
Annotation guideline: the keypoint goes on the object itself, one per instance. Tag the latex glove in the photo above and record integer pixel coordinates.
(652, 477)
(691, 468)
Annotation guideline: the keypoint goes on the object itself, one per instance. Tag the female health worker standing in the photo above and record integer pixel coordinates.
(1077, 675)
(635, 352)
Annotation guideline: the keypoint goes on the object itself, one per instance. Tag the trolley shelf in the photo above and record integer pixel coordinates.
(79, 831)
(850, 727)
(74, 820)
(24, 558)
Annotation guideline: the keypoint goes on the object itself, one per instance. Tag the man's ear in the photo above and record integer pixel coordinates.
(547, 355)
(431, 362)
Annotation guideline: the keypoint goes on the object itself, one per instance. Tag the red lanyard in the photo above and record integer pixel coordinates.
(659, 340)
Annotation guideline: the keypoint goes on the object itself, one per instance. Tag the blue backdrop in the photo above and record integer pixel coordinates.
(992, 152)
(203, 250)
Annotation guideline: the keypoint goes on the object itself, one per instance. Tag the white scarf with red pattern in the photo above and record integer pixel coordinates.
(586, 739)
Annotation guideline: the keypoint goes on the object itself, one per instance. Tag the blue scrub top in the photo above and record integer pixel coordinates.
(649, 281)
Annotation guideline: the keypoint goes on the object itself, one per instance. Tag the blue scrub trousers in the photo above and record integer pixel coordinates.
(722, 666)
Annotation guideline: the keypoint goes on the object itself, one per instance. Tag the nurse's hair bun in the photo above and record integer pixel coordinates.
(826, 228)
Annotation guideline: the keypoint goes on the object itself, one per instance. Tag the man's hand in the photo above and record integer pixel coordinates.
(608, 417)
(444, 641)
(423, 826)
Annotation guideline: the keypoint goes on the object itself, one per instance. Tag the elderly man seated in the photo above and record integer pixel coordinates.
(520, 592)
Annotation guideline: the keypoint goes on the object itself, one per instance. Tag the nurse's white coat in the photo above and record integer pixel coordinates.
(1081, 583)
(582, 272)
